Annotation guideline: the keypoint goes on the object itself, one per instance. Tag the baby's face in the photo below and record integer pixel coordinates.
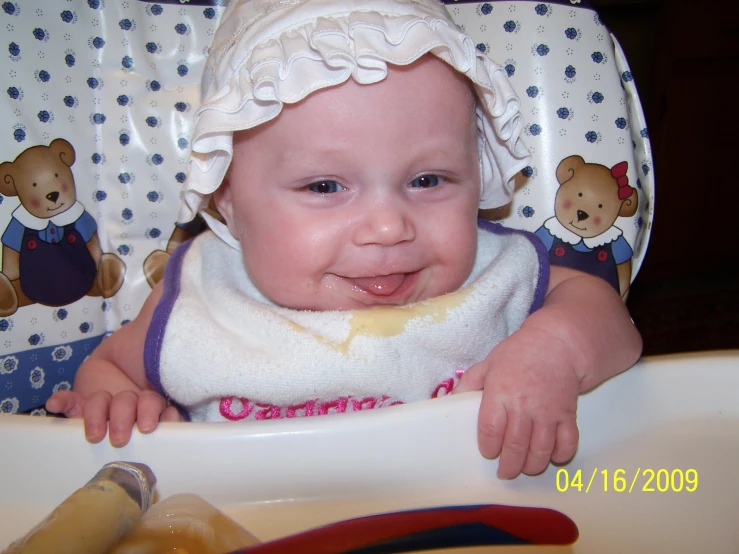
(360, 195)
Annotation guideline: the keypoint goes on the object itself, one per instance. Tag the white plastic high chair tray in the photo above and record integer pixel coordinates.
(279, 477)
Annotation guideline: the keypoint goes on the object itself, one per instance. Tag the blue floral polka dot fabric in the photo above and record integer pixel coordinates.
(97, 103)
(118, 80)
(578, 99)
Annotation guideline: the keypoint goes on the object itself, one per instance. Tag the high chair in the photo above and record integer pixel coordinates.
(103, 92)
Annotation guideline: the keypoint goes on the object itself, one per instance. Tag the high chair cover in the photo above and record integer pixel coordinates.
(96, 123)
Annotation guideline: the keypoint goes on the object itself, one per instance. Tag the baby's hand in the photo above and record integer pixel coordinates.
(146, 409)
(529, 404)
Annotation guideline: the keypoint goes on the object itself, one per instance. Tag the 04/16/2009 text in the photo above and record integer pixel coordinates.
(622, 480)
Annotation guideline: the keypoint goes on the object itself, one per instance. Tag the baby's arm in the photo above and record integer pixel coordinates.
(581, 336)
(111, 385)
(592, 322)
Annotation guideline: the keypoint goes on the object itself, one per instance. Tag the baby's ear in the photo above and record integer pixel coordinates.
(224, 204)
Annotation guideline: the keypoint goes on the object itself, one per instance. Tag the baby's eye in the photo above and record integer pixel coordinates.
(425, 181)
(325, 187)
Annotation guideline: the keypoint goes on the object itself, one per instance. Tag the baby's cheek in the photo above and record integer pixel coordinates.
(35, 203)
(567, 204)
(65, 187)
(597, 220)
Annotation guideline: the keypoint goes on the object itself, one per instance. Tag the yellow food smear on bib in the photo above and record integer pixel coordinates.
(388, 321)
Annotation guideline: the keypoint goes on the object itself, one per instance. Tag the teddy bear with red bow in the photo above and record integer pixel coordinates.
(582, 234)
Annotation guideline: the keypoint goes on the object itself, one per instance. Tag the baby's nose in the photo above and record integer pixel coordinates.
(386, 225)
(582, 216)
(52, 196)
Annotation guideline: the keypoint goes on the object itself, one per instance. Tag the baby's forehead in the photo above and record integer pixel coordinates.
(432, 70)
(429, 87)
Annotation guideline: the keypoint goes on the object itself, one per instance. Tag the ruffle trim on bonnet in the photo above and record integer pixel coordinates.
(261, 60)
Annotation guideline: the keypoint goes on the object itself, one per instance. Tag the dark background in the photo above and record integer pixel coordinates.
(684, 55)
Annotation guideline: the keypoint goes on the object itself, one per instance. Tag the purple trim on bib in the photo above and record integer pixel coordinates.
(542, 281)
(155, 333)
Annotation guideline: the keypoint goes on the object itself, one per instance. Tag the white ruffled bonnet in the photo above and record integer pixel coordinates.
(266, 53)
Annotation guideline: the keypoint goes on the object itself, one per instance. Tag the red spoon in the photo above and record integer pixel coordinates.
(445, 527)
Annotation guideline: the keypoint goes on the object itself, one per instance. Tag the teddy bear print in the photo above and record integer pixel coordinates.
(582, 234)
(51, 251)
(156, 261)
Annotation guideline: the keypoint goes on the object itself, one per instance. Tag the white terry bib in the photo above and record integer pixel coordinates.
(221, 351)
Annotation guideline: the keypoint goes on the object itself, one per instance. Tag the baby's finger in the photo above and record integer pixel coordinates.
(472, 379)
(66, 402)
(122, 417)
(150, 407)
(543, 439)
(515, 445)
(491, 425)
(567, 438)
(96, 412)
(170, 414)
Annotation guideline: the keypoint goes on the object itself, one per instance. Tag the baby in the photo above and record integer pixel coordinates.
(348, 145)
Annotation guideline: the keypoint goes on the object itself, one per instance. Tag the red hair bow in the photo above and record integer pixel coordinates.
(619, 173)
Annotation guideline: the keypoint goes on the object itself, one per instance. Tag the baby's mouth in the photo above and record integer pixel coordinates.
(394, 289)
(381, 285)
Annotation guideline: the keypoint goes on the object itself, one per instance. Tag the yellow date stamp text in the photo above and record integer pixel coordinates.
(623, 480)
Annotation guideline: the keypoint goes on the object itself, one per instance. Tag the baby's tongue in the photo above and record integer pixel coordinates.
(383, 285)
